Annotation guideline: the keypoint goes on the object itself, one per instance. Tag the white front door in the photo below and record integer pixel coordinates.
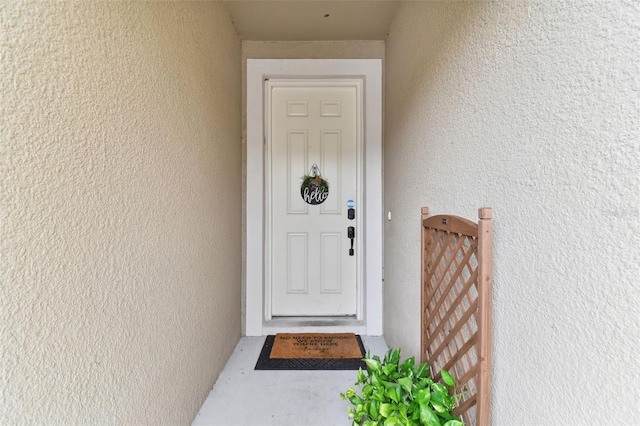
(312, 268)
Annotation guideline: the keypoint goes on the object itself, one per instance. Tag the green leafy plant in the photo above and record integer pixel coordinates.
(312, 182)
(395, 393)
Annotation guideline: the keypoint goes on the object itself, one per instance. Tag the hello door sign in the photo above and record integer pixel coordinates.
(314, 189)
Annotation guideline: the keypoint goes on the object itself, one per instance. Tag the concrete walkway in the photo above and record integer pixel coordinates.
(243, 396)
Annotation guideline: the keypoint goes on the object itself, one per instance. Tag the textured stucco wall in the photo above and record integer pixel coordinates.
(120, 189)
(531, 108)
(366, 49)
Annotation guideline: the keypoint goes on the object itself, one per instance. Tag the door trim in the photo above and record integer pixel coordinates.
(369, 71)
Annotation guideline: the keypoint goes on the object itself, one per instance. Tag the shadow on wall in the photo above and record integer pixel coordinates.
(440, 35)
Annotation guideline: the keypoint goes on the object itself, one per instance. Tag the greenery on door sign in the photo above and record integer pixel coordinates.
(402, 394)
(313, 182)
(314, 189)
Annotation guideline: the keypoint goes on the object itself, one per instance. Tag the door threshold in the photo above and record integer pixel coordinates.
(314, 325)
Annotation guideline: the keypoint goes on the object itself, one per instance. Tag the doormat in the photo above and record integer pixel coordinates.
(312, 351)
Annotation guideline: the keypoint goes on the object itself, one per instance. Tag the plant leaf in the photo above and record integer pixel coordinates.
(395, 356)
(373, 410)
(423, 397)
(387, 356)
(454, 423)
(398, 393)
(356, 400)
(391, 393)
(438, 407)
(403, 411)
(375, 381)
(441, 396)
(439, 388)
(379, 398)
(448, 378)
(409, 362)
(428, 417)
(448, 416)
(406, 383)
(389, 368)
(367, 390)
(361, 377)
(392, 421)
(388, 384)
(373, 365)
(423, 370)
(385, 409)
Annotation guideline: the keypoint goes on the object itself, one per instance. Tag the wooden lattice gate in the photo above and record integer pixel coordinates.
(456, 307)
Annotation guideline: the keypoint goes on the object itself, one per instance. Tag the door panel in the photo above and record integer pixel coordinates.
(312, 273)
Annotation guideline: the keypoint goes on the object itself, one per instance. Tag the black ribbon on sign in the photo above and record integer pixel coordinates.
(314, 189)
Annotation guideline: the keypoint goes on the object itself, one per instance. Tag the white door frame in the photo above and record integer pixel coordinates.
(258, 322)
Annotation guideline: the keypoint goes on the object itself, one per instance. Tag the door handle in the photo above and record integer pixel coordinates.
(351, 234)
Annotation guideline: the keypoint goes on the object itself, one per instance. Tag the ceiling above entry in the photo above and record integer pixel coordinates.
(309, 20)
